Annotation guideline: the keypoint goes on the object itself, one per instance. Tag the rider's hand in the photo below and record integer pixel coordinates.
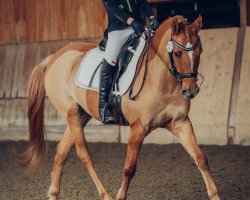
(154, 24)
(137, 26)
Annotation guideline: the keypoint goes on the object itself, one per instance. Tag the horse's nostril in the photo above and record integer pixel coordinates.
(185, 92)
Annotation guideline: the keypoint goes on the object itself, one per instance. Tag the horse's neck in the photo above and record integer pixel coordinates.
(160, 78)
(159, 75)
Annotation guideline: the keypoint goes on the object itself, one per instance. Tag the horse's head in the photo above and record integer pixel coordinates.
(184, 50)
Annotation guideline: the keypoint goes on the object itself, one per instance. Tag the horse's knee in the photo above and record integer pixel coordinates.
(202, 162)
(129, 172)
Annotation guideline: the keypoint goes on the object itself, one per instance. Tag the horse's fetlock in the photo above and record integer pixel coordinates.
(129, 172)
(103, 194)
(53, 194)
(214, 195)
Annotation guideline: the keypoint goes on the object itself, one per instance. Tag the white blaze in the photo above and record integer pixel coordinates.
(190, 54)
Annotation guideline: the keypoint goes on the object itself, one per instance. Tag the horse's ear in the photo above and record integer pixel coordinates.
(175, 26)
(197, 25)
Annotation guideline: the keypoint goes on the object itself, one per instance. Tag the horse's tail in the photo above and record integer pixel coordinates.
(32, 158)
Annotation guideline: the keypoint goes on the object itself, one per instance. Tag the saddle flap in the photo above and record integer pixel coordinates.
(89, 70)
(126, 54)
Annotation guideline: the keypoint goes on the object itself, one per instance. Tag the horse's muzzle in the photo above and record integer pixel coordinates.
(187, 94)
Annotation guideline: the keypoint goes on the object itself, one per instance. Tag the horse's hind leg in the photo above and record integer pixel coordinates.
(76, 124)
(186, 134)
(62, 152)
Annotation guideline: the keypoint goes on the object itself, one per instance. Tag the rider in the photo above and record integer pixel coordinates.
(123, 20)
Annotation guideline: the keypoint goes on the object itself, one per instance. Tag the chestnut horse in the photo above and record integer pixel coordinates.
(161, 103)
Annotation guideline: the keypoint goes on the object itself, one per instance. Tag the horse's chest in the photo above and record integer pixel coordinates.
(171, 112)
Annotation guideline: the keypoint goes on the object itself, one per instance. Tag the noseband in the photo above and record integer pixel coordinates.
(174, 71)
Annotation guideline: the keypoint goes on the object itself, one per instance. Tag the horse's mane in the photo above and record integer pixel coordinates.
(164, 27)
(165, 24)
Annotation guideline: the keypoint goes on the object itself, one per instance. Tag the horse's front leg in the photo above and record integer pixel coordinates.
(136, 137)
(186, 134)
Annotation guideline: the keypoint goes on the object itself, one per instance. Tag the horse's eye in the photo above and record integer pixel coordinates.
(177, 54)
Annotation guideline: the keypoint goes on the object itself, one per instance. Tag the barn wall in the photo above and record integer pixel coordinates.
(242, 116)
(46, 20)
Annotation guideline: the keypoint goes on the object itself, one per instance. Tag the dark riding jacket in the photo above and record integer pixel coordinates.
(120, 10)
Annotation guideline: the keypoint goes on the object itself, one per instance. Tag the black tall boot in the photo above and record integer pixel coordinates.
(107, 74)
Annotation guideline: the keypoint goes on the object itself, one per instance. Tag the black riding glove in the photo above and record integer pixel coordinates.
(154, 24)
(138, 27)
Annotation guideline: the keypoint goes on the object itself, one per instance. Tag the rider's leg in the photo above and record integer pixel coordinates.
(107, 74)
(116, 40)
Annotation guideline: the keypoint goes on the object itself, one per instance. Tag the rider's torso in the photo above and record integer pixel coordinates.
(130, 7)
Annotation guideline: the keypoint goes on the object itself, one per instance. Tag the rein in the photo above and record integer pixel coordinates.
(133, 98)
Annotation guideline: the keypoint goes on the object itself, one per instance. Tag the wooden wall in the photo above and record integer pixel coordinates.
(210, 111)
(45, 20)
(242, 118)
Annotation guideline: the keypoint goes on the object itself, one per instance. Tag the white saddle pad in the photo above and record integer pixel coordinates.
(94, 57)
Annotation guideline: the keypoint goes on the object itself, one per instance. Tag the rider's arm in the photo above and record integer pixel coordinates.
(113, 7)
(145, 7)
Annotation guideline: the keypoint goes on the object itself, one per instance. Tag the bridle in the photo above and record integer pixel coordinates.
(170, 47)
(174, 71)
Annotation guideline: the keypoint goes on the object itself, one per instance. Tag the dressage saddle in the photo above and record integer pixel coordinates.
(125, 56)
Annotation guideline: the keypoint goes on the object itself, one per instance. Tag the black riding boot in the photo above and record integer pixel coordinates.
(107, 74)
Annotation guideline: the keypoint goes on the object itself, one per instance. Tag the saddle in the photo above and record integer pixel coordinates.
(130, 57)
(125, 56)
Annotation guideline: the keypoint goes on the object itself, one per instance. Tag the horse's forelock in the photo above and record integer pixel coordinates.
(164, 27)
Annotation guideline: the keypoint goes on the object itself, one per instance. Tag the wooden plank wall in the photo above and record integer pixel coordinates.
(7, 67)
(45, 20)
(242, 122)
(210, 110)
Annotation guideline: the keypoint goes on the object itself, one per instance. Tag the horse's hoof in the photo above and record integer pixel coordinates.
(215, 198)
(52, 198)
(108, 198)
(52, 195)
